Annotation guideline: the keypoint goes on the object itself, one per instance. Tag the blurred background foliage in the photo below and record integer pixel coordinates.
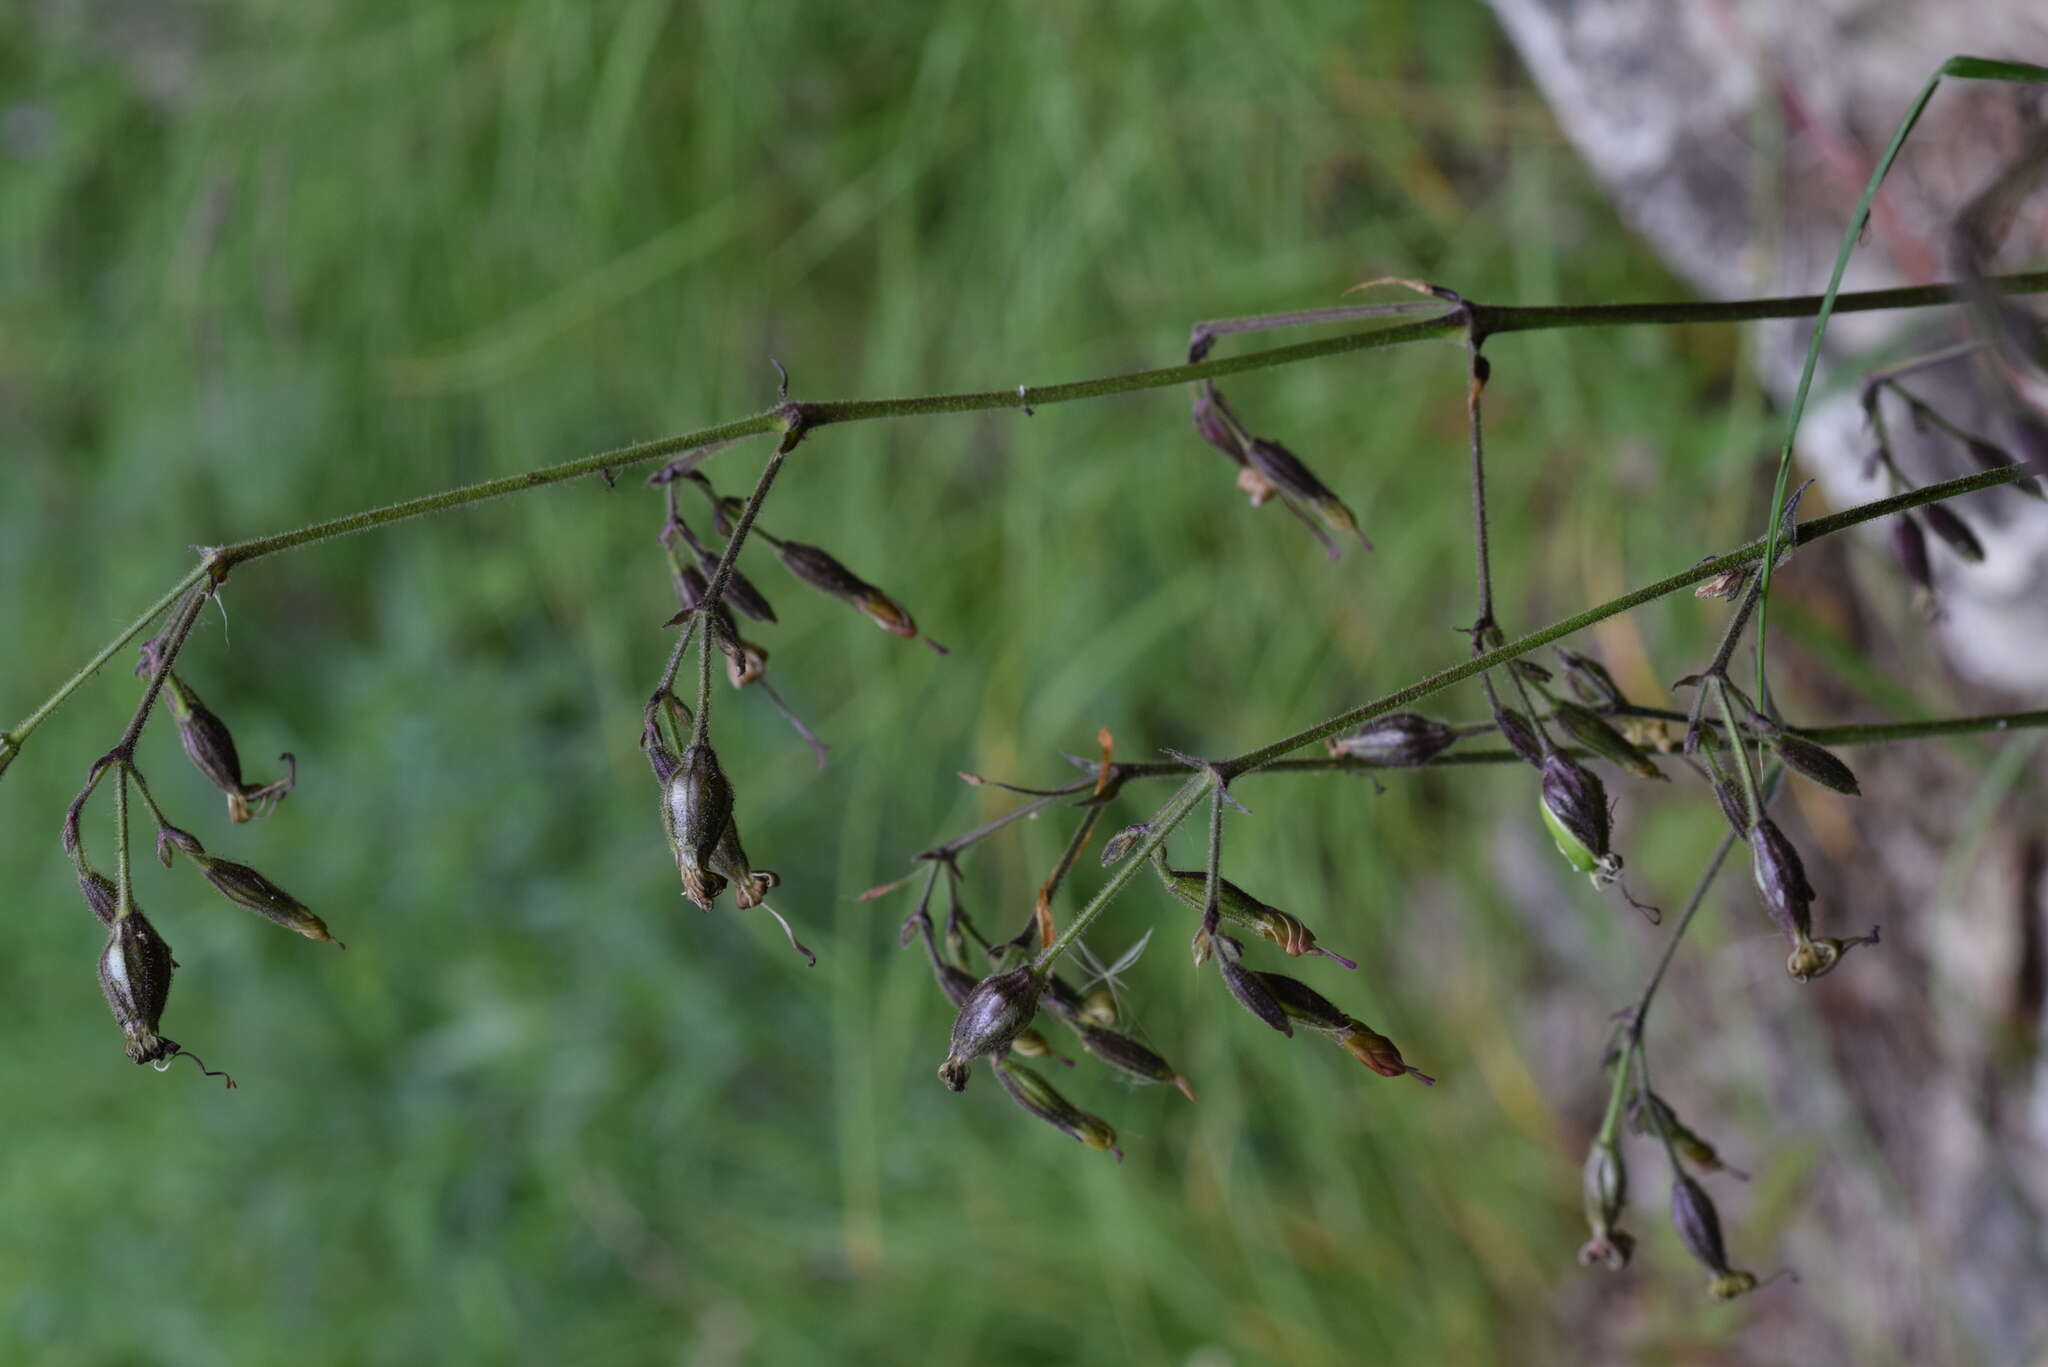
(262, 263)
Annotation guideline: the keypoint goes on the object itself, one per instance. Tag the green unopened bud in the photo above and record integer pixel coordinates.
(1816, 958)
(1574, 805)
(1099, 1008)
(1781, 878)
(135, 977)
(1379, 1053)
(1605, 1183)
(211, 749)
(1699, 1228)
(1399, 740)
(1191, 888)
(1589, 680)
(998, 1009)
(246, 887)
(1814, 763)
(1591, 730)
(1031, 1091)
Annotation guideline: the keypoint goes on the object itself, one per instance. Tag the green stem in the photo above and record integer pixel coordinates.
(1738, 741)
(124, 882)
(106, 652)
(1163, 823)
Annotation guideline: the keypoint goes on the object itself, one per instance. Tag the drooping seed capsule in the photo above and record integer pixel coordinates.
(1303, 1003)
(1031, 1091)
(1521, 737)
(1699, 1229)
(211, 749)
(1379, 1053)
(1909, 548)
(1131, 1057)
(1732, 807)
(1287, 473)
(1816, 958)
(1605, 1183)
(823, 572)
(135, 977)
(1814, 763)
(1657, 1118)
(697, 805)
(750, 886)
(1589, 680)
(102, 897)
(1191, 888)
(995, 1012)
(1249, 989)
(1574, 807)
(739, 590)
(246, 887)
(1781, 878)
(1591, 730)
(1399, 740)
(1212, 422)
(1954, 532)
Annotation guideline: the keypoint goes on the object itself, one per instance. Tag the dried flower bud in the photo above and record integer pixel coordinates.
(1399, 740)
(821, 571)
(1132, 1058)
(739, 590)
(1726, 584)
(1605, 1181)
(1699, 1228)
(1589, 680)
(1212, 423)
(1099, 1008)
(1119, 846)
(1657, 1118)
(1954, 532)
(696, 808)
(995, 1013)
(750, 886)
(1909, 548)
(101, 896)
(1247, 986)
(1037, 1096)
(1730, 798)
(1814, 763)
(1817, 958)
(170, 838)
(1591, 730)
(1781, 878)
(1246, 912)
(212, 750)
(246, 887)
(1575, 809)
(1303, 1003)
(1520, 736)
(135, 976)
(1378, 1053)
(1286, 472)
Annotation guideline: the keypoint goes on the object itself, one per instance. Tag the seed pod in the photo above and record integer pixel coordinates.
(1730, 798)
(1591, 730)
(1119, 846)
(1589, 680)
(101, 896)
(1212, 423)
(1657, 1118)
(1132, 1058)
(170, 838)
(1954, 532)
(821, 571)
(1781, 878)
(135, 977)
(1248, 987)
(1037, 1096)
(1246, 912)
(1520, 736)
(697, 807)
(1909, 548)
(1099, 1008)
(739, 590)
(1574, 807)
(1286, 472)
(1399, 740)
(750, 886)
(211, 748)
(246, 887)
(1379, 1053)
(1605, 1183)
(1303, 1003)
(1814, 763)
(995, 1013)
(1817, 958)
(1699, 1229)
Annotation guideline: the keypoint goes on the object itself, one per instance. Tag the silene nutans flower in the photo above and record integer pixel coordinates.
(1000, 1008)
(211, 748)
(1699, 1228)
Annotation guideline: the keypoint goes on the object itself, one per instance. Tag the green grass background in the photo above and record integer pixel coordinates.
(262, 263)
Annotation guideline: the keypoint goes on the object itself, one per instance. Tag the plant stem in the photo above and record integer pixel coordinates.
(1170, 815)
(105, 653)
